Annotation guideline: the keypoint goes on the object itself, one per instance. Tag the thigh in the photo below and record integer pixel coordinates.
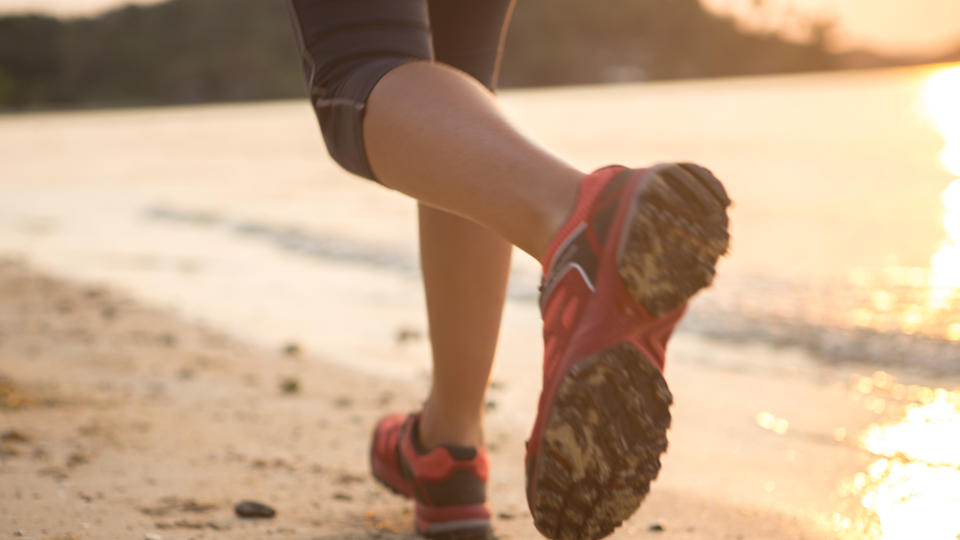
(469, 34)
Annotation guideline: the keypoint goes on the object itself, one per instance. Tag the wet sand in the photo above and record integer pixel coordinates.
(121, 420)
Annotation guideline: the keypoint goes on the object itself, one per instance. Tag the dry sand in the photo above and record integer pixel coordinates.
(119, 420)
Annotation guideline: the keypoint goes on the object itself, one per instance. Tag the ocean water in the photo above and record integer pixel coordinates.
(845, 225)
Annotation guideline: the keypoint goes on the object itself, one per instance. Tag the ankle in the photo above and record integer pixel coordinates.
(436, 429)
(563, 205)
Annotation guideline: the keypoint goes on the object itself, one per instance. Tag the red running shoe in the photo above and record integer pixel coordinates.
(448, 483)
(616, 281)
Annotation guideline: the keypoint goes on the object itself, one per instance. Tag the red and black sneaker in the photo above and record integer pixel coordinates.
(448, 483)
(617, 277)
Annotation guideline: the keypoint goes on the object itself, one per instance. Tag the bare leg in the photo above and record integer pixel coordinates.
(465, 270)
(436, 134)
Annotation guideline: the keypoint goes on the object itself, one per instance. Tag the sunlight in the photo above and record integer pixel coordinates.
(913, 489)
(925, 300)
(942, 98)
(943, 106)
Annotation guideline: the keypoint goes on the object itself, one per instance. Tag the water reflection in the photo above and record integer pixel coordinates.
(945, 264)
(924, 300)
(943, 106)
(912, 489)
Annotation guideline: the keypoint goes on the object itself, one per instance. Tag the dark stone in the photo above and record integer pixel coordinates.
(94, 293)
(12, 435)
(290, 385)
(656, 527)
(77, 459)
(253, 509)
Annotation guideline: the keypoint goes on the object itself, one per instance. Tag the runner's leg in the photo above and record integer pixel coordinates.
(465, 265)
(439, 136)
(465, 268)
(389, 112)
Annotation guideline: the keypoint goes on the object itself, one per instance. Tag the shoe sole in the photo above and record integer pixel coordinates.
(677, 233)
(607, 426)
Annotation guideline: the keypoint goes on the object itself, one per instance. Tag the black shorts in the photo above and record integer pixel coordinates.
(348, 45)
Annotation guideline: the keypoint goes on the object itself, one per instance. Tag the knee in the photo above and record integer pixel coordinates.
(339, 98)
(346, 48)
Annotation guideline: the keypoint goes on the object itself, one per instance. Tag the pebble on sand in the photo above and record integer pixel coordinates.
(657, 527)
(12, 435)
(290, 385)
(253, 509)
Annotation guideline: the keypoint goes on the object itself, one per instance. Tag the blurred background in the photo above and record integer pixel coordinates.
(165, 149)
(56, 53)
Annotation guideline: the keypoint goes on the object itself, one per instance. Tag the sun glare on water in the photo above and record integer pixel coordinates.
(911, 489)
(924, 300)
(942, 98)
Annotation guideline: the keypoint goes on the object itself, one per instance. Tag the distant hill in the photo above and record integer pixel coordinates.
(190, 51)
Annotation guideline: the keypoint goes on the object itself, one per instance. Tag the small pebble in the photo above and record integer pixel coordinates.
(656, 527)
(290, 385)
(152, 536)
(292, 349)
(253, 509)
(12, 435)
(18, 532)
(94, 292)
(76, 459)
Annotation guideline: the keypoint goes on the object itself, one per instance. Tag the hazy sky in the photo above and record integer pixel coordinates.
(894, 26)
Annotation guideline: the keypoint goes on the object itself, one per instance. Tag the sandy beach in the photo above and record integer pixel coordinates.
(120, 420)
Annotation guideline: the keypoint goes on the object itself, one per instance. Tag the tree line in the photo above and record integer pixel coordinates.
(191, 51)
